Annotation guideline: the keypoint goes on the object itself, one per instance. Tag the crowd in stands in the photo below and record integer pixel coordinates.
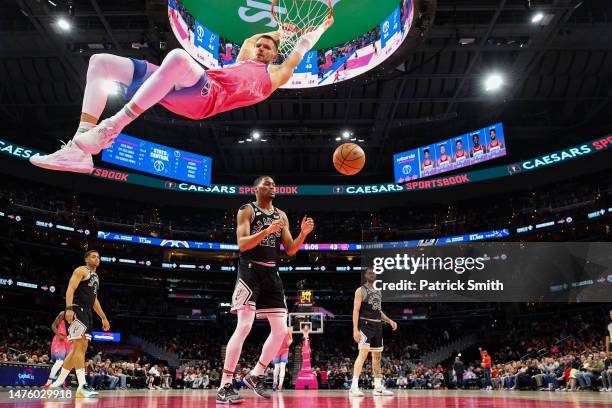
(505, 211)
(536, 352)
(327, 58)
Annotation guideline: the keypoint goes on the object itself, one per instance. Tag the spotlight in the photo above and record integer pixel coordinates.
(111, 87)
(255, 135)
(249, 140)
(241, 141)
(64, 24)
(346, 134)
(537, 17)
(338, 139)
(467, 40)
(493, 82)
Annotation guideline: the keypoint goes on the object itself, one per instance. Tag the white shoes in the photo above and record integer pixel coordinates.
(68, 158)
(356, 392)
(97, 138)
(382, 392)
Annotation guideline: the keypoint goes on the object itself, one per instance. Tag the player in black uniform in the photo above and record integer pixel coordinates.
(81, 297)
(368, 319)
(261, 228)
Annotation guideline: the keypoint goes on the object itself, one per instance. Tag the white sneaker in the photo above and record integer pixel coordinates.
(356, 392)
(382, 392)
(85, 392)
(68, 158)
(97, 138)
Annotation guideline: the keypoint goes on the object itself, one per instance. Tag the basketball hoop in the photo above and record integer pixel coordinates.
(298, 17)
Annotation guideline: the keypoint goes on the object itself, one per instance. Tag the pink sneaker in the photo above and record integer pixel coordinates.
(68, 158)
(99, 137)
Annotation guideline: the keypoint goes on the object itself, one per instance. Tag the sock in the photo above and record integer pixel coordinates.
(281, 374)
(257, 370)
(56, 367)
(80, 373)
(378, 383)
(355, 383)
(125, 116)
(276, 374)
(226, 378)
(61, 378)
(84, 127)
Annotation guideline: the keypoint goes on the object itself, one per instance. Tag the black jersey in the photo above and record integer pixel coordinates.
(371, 304)
(268, 250)
(87, 291)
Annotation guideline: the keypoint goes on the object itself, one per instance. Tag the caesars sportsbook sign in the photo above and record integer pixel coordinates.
(597, 146)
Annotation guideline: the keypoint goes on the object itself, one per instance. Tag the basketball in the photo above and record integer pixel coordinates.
(349, 159)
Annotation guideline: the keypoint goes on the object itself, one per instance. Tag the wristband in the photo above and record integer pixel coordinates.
(307, 41)
(69, 308)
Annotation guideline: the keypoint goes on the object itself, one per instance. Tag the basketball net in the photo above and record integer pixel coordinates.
(298, 17)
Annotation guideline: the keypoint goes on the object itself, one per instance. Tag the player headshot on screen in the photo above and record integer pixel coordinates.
(444, 159)
(494, 145)
(460, 154)
(427, 164)
(478, 149)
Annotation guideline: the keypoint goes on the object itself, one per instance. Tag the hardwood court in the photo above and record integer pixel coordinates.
(330, 399)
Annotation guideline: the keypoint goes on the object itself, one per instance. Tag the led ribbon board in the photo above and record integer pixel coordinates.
(160, 160)
(600, 145)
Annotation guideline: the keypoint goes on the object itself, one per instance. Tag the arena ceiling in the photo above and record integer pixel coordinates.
(557, 83)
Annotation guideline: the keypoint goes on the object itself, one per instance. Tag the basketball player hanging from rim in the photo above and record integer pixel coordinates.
(81, 298)
(368, 319)
(261, 229)
(182, 86)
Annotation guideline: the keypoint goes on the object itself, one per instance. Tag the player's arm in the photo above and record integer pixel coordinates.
(356, 309)
(293, 245)
(281, 74)
(76, 278)
(56, 322)
(247, 241)
(391, 323)
(98, 309)
(247, 51)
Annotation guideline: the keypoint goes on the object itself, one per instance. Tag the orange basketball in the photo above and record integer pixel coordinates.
(349, 159)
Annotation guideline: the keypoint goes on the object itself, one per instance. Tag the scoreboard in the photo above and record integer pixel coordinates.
(160, 160)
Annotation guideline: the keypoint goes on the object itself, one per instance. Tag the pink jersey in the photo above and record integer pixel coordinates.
(61, 328)
(60, 349)
(243, 84)
(284, 348)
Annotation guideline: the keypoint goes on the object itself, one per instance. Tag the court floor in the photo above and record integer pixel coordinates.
(327, 399)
